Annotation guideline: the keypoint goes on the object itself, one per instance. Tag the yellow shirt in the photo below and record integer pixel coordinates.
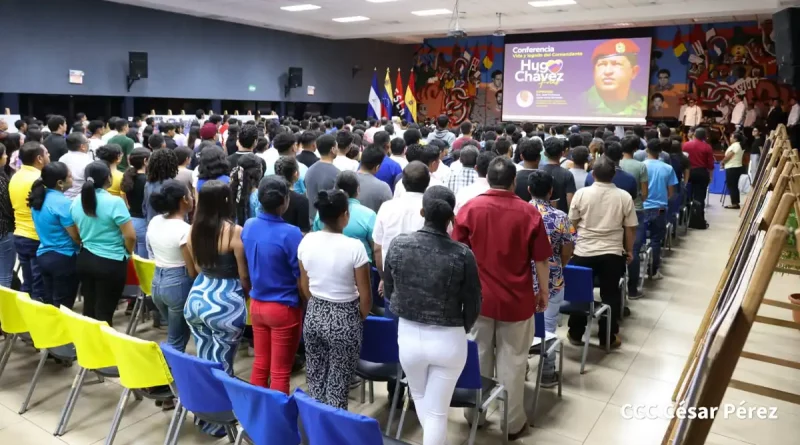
(738, 153)
(19, 188)
(116, 183)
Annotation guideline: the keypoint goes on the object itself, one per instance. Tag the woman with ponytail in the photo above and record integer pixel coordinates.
(334, 275)
(244, 187)
(167, 239)
(433, 287)
(58, 237)
(108, 236)
(133, 183)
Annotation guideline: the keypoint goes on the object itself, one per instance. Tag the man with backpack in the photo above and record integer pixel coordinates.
(701, 167)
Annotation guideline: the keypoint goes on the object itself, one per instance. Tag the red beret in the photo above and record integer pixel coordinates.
(208, 131)
(615, 47)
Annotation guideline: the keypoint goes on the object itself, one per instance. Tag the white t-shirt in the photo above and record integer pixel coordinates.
(269, 156)
(397, 216)
(165, 238)
(107, 137)
(400, 189)
(330, 260)
(344, 163)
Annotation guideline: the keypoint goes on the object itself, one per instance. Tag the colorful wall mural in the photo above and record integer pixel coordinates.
(462, 78)
(713, 62)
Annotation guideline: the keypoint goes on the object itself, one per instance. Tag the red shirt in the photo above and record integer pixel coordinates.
(506, 234)
(700, 154)
(459, 143)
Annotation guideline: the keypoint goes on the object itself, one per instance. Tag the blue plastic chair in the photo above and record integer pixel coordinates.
(472, 391)
(199, 392)
(267, 417)
(579, 298)
(552, 345)
(326, 425)
(380, 359)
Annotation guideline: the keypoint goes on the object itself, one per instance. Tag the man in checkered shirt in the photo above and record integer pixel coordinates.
(466, 175)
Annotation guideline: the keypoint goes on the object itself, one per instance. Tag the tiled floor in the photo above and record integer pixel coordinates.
(656, 341)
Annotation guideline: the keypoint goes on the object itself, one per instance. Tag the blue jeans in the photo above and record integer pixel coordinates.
(655, 222)
(140, 226)
(32, 281)
(633, 268)
(8, 257)
(550, 325)
(60, 276)
(171, 287)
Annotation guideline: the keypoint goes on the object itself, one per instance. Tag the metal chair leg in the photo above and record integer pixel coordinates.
(239, 437)
(174, 428)
(608, 330)
(406, 399)
(123, 399)
(34, 381)
(66, 413)
(230, 433)
(363, 392)
(394, 400)
(586, 337)
(134, 314)
(539, 372)
(505, 416)
(560, 367)
(371, 392)
(8, 344)
(476, 418)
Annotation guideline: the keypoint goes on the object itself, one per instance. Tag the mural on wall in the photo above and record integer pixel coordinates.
(713, 62)
(462, 78)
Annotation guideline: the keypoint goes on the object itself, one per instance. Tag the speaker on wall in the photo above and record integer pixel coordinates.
(786, 27)
(137, 62)
(295, 77)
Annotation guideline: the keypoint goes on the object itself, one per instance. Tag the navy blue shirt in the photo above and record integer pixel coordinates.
(270, 244)
(622, 179)
(389, 171)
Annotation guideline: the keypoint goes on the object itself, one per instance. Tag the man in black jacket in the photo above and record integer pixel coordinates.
(56, 144)
(776, 115)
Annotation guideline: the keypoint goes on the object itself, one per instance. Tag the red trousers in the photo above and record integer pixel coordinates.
(276, 333)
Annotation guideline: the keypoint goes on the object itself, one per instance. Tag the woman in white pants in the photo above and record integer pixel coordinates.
(432, 284)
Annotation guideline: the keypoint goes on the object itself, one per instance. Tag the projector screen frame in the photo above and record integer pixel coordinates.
(560, 37)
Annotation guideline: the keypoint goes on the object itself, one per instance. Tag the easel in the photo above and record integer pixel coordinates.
(755, 256)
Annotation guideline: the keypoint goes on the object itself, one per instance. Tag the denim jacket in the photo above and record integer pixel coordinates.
(431, 279)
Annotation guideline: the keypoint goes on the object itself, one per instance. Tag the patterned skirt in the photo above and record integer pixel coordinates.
(216, 313)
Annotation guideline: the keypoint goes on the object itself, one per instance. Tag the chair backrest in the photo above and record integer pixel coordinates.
(578, 284)
(45, 323)
(145, 270)
(267, 416)
(380, 340)
(538, 325)
(198, 389)
(90, 343)
(10, 318)
(141, 363)
(326, 425)
(470, 377)
(375, 280)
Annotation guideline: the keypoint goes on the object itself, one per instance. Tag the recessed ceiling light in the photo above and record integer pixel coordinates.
(429, 12)
(545, 3)
(358, 18)
(622, 24)
(297, 8)
(381, 1)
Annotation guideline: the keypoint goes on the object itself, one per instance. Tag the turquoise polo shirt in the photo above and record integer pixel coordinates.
(51, 224)
(362, 221)
(101, 234)
(660, 176)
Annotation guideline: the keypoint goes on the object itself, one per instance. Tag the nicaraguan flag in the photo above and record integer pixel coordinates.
(374, 107)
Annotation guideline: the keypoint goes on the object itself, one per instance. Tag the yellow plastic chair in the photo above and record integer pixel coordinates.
(145, 271)
(11, 323)
(141, 366)
(94, 355)
(49, 333)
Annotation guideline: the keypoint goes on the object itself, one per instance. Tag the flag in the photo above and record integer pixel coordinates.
(374, 107)
(488, 59)
(386, 97)
(399, 103)
(411, 101)
(679, 47)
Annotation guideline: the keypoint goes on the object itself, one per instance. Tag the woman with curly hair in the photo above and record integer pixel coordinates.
(133, 183)
(163, 166)
(244, 187)
(213, 165)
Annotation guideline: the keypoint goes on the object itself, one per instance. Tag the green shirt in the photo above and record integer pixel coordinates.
(362, 221)
(101, 234)
(635, 104)
(639, 172)
(126, 144)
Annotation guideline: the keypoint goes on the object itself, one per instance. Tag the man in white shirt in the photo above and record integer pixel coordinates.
(480, 185)
(76, 159)
(401, 214)
(725, 109)
(751, 115)
(398, 147)
(794, 113)
(343, 141)
(738, 114)
(693, 115)
(112, 124)
(429, 157)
